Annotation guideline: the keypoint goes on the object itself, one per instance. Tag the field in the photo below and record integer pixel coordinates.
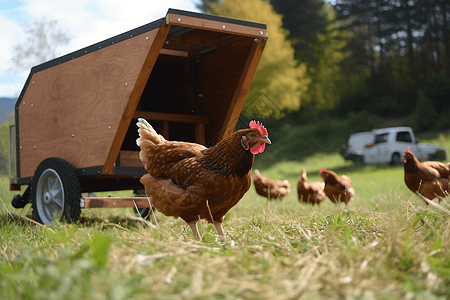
(386, 245)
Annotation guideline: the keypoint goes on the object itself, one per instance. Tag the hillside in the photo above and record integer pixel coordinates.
(6, 108)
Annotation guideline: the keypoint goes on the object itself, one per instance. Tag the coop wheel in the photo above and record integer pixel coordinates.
(142, 212)
(56, 192)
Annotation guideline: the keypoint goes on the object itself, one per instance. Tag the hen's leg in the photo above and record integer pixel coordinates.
(218, 226)
(193, 226)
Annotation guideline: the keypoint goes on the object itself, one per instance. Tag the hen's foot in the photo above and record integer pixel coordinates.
(193, 226)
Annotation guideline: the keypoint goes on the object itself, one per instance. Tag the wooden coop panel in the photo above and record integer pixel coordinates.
(157, 42)
(212, 24)
(73, 110)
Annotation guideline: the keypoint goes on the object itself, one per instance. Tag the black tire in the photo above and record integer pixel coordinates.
(439, 155)
(360, 160)
(142, 212)
(396, 159)
(55, 192)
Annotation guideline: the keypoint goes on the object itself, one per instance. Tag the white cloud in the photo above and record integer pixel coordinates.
(8, 40)
(10, 84)
(86, 21)
(93, 21)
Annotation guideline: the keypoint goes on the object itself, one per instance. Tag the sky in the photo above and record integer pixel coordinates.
(86, 21)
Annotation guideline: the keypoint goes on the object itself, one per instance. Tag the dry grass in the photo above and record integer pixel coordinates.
(388, 246)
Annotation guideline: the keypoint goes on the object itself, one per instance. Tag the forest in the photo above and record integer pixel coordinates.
(350, 59)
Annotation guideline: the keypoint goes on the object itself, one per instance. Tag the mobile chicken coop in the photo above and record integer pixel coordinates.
(188, 74)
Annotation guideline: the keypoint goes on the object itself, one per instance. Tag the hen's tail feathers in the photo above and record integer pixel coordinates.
(303, 176)
(257, 176)
(147, 135)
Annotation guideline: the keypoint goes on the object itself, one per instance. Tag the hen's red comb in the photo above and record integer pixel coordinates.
(260, 127)
(323, 170)
(407, 150)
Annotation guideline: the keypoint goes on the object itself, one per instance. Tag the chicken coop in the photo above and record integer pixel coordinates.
(75, 128)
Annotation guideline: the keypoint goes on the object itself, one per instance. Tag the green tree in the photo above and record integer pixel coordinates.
(4, 137)
(318, 44)
(279, 78)
(327, 81)
(304, 19)
(419, 120)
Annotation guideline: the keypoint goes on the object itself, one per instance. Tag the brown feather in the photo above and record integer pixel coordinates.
(430, 178)
(337, 189)
(310, 192)
(183, 176)
(271, 189)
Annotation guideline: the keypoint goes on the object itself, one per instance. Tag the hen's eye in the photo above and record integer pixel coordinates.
(252, 135)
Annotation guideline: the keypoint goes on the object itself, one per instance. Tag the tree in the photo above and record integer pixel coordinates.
(42, 40)
(279, 79)
(372, 15)
(419, 120)
(205, 5)
(319, 44)
(4, 151)
(327, 81)
(444, 9)
(413, 29)
(305, 20)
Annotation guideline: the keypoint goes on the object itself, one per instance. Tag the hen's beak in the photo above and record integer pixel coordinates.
(265, 139)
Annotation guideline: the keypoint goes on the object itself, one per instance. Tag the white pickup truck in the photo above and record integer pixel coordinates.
(387, 145)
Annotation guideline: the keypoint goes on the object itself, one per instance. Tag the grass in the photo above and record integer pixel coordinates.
(386, 245)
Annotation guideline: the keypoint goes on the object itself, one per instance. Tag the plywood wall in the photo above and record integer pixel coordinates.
(73, 110)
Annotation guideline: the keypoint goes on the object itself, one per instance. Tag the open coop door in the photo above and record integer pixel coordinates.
(196, 87)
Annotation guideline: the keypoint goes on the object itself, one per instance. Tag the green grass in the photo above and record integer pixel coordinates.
(386, 245)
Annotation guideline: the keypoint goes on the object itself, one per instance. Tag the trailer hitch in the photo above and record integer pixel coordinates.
(19, 201)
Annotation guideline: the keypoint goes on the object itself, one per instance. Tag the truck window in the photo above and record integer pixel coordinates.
(381, 138)
(404, 136)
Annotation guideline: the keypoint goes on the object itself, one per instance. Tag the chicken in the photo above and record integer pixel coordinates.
(189, 181)
(271, 189)
(338, 189)
(430, 179)
(310, 192)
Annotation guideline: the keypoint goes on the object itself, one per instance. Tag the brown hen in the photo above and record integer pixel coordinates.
(189, 181)
(337, 188)
(310, 192)
(430, 179)
(270, 189)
